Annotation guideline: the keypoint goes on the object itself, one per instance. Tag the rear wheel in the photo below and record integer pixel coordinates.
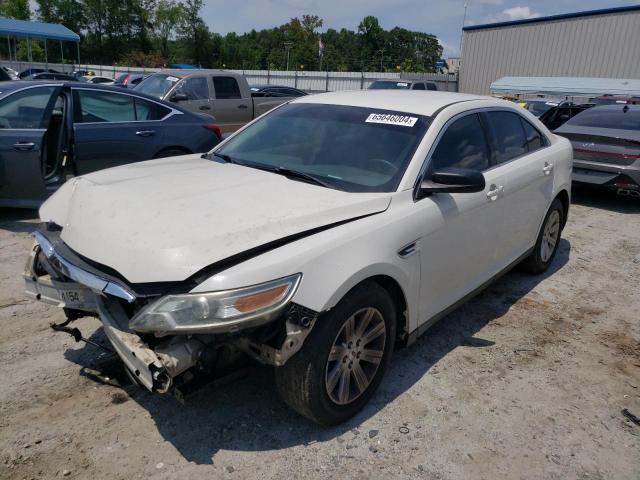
(548, 240)
(344, 358)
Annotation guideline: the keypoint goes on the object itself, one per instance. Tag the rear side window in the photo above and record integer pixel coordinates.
(226, 87)
(508, 134)
(25, 109)
(98, 106)
(146, 110)
(463, 145)
(535, 140)
(419, 86)
(431, 86)
(608, 118)
(195, 88)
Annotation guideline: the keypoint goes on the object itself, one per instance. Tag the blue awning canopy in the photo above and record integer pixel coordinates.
(25, 28)
(566, 86)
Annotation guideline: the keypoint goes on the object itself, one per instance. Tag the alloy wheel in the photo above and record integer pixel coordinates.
(355, 356)
(550, 236)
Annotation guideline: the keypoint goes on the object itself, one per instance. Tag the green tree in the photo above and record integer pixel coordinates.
(18, 9)
(166, 18)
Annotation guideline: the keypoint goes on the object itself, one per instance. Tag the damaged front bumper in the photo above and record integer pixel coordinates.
(157, 363)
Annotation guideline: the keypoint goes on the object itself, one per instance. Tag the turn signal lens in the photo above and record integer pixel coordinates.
(259, 300)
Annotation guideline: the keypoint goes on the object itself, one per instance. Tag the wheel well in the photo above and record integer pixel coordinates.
(165, 149)
(399, 301)
(563, 196)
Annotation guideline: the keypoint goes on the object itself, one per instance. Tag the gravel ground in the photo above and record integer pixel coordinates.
(526, 381)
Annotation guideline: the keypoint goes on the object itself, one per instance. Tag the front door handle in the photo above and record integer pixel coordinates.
(547, 169)
(145, 133)
(243, 107)
(24, 146)
(494, 192)
(205, 107)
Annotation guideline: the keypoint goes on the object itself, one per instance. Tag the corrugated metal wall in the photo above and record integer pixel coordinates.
(596, 46)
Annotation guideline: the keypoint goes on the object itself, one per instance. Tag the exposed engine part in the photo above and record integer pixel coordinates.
(179, 354)
(76, 334)
(298, 325)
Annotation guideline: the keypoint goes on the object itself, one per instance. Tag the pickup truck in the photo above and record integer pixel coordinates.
(223, 94)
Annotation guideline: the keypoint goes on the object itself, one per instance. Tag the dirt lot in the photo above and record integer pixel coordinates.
(527, 381)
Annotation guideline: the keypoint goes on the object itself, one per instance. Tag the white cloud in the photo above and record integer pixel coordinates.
(519, 13)
(449, 50)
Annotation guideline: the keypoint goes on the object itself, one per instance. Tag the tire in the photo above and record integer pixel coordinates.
(548, 240)
(304, 382)
(170, 152)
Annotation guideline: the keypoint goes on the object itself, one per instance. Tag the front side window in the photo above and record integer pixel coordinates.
(508, 134)
(195, 88)
(389, 85)
(355, 149)
(463, 145)
(97, 106)
(431, 86)
(226, 88)
(419, 86)
(26, 108)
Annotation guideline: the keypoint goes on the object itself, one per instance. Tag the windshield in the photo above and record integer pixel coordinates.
(354, 149)
(538, 108)
(157, 85)
(623, 118)
(389, 85)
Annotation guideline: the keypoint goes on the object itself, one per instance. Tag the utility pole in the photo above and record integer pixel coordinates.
(287, 46)
(464, 20)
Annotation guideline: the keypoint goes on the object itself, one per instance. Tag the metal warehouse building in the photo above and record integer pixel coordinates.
(598, 43)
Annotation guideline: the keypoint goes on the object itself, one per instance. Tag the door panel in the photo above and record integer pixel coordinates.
(458, 251)
(20, 167)
(230, 109)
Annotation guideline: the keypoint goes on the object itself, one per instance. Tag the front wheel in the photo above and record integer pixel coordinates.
(548, 240)
(343, 359)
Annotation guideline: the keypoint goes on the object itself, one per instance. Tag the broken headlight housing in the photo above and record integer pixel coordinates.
(214, 312)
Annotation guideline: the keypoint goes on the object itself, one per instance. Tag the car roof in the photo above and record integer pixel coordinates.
(421, 102)
(18, 84)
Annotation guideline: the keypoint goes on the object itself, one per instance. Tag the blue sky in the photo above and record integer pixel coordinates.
(442, 18)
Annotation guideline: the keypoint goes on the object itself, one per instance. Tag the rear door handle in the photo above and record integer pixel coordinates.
(243, 107)
(547, 169)
(24, 146)
(145, 133)
(495, 192)
(205, 107)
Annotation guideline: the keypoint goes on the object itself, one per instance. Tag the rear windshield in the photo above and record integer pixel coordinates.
(608, 118)
(354, 149)
(157, 85)
(389, 85)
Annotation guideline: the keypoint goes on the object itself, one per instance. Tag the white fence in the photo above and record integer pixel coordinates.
(309, 81)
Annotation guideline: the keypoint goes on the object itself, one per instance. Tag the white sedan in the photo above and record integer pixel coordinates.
(316, 239)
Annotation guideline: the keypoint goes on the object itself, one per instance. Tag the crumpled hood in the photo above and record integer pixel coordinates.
(163, 220)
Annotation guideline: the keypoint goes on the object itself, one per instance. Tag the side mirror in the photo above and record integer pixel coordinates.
(452, 180)
(179, 97)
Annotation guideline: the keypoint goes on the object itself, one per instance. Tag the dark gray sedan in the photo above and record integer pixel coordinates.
(606, 147)
(50, 131)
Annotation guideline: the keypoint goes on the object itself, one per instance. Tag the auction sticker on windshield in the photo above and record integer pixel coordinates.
(390, 119)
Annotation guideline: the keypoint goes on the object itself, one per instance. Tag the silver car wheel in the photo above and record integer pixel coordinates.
(550, 236)
(355, 356)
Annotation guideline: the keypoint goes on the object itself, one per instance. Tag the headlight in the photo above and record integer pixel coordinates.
(213, 312)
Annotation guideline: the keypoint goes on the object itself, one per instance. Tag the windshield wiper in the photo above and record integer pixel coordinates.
(224, 157)
(287, 172)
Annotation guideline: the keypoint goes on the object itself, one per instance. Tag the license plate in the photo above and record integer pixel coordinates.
(72, 297)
